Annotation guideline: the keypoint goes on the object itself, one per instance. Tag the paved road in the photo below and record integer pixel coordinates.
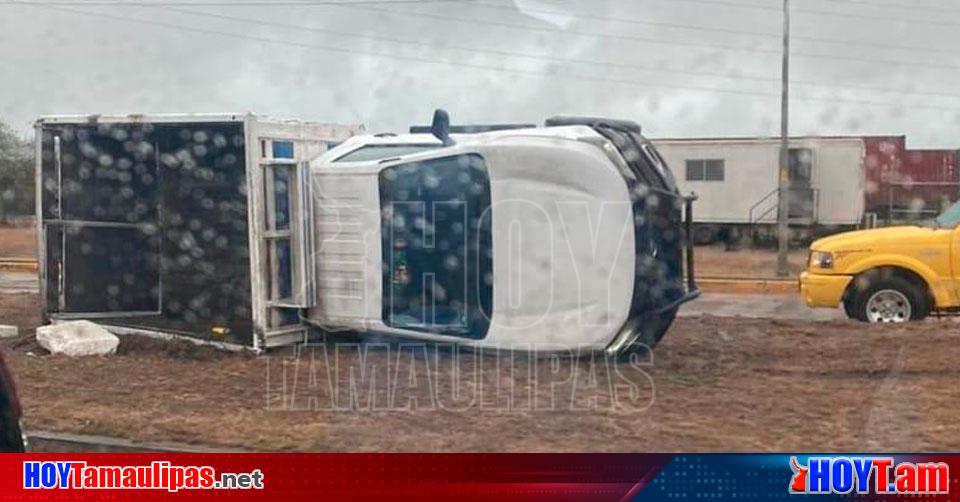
(765, 306)
(721, 305)
(18, 282)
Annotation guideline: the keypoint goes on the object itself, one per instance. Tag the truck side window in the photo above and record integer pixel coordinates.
(379, 152)
(436, 237)
(647, 170)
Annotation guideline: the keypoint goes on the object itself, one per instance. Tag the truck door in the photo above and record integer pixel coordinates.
(100, 206)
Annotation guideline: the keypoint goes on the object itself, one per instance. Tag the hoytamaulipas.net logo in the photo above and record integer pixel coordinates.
(158, 475)
(868, 475)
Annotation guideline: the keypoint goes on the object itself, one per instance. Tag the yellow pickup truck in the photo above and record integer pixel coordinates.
(894, 274)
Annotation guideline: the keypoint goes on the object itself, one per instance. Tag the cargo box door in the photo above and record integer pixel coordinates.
(286, 237)
(101, 210)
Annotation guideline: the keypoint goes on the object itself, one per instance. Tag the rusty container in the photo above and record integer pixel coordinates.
(908, 184)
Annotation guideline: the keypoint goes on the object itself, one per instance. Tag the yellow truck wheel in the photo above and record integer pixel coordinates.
(885, 297)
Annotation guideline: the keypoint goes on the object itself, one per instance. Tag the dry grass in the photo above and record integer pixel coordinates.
(718, 384)
(18, 242)
(716, 261)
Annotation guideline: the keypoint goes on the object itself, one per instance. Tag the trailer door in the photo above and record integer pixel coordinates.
(802, 196)
(100, 206)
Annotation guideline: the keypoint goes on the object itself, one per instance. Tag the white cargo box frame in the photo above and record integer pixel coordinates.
(309, 140)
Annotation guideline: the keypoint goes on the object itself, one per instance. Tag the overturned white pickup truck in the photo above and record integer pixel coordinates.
(566, 237)
(249, 231)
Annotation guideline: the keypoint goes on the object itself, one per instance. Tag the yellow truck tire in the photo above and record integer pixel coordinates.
(884, 296)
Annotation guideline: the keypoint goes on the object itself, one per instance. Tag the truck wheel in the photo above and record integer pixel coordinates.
(889, 299)
(651, 332)
(704, 234)
(849, 306)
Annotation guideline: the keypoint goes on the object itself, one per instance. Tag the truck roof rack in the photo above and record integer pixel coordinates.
(472, 128)
(593, 122)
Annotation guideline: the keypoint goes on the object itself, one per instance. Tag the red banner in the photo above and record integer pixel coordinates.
(501, 477)
(504, 477)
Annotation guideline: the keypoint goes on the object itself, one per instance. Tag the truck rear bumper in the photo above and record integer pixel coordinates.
(820, 290)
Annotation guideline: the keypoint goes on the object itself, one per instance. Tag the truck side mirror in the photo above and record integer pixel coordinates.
(441, 126)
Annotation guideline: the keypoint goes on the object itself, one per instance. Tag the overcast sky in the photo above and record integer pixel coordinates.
(683, 68)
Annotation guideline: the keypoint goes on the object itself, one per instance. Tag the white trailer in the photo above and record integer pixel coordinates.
(188, 224)
(736, 181)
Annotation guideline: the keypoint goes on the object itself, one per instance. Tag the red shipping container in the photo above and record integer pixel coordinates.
(909, 184)
(881, 163)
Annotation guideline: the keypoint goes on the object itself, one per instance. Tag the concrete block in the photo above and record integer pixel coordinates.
(8, 331)
(77, 338)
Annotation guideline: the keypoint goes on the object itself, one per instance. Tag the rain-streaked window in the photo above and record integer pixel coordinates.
(381, 152)
(282, 149)
(706, 170)
(437, 260)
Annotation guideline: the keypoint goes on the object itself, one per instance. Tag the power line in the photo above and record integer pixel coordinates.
(243, 3)
(579, 15)
(907, 20)
(594, 17)
(547, 58)
(815, 12)
(422, 15)
(358, 5)
(212, 3)
(888, 5)
(526, 27)
(460, 64)
(711, 29)
(655, 41)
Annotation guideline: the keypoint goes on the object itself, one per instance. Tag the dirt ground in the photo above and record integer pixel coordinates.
(716, 261)
(18, 242)
(711, 261)
(714, 384)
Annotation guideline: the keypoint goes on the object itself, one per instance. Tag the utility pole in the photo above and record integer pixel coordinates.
(783, 204)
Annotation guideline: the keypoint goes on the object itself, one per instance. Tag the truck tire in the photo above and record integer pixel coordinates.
(651, 332)
(704, 234)
(848, 306)
(887, 298)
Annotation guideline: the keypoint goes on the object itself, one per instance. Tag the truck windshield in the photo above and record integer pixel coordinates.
(949, 218)
(437, 251)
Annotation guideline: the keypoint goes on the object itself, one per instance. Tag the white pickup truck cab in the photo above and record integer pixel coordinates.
(555, 238)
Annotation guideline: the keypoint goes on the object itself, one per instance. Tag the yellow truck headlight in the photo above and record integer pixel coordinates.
(821, 259)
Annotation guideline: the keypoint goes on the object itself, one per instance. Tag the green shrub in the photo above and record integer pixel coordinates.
(17, 179)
